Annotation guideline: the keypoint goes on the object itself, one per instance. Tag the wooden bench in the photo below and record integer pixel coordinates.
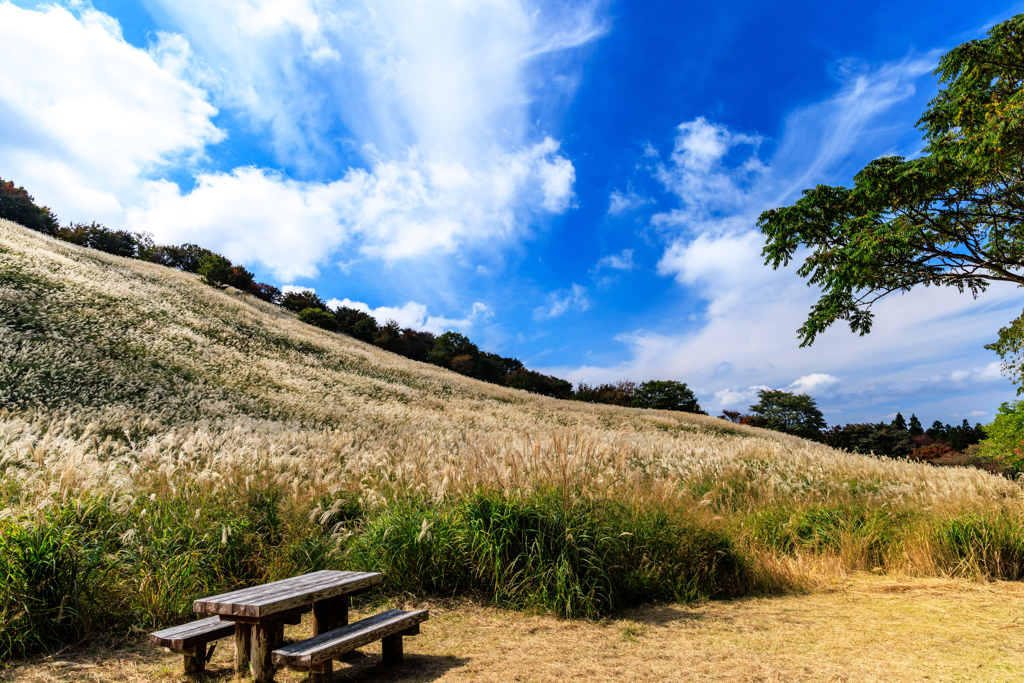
(191, 640)
(316, 653)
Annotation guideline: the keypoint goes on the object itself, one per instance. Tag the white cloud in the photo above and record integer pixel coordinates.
(726, 398)
(436, 100)
(86, 115)
(403, 209)
(562, 301)
(989, 373)
(435, 97)
(296, 289)
(416, 316)
(621, 261)
(814, 384)
(619, 203)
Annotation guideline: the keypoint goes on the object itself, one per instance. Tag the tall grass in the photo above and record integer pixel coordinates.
(161, 440)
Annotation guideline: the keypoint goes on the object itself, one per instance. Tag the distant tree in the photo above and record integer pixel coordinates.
(740, 418)
(1004, 437)
(348, 318)
(96, 236)
(937, 430)
(666, 395)
(535, 382)
(964, 435)
(186, 257)
(617, 394)
(17, 205)
(914, 428)
(300, 301)
(450, 345)
(899, 423)
(365, 330)
(795, 414)
(268, 293)
(880, 439)
(216, 270)
(318, 318)
(417, 345)
(463, 364)
(389, 337)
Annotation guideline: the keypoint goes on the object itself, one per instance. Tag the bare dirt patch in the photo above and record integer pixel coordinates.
(865, 628)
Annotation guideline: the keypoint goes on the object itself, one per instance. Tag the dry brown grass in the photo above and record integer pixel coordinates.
(862, 628)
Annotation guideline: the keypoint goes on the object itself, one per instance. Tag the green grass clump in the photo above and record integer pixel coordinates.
(856, 531)
(572, 556)
(987, 544)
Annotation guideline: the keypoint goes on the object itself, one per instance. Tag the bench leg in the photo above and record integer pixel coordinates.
(196, 663)
(324, 674)
(391, 647)
(243, 646)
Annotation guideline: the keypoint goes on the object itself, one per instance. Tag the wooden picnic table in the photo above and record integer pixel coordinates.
(260, 613)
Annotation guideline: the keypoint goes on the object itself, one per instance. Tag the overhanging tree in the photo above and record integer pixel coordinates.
(953, 217)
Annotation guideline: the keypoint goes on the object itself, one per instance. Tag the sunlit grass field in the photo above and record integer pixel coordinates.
(161, 440)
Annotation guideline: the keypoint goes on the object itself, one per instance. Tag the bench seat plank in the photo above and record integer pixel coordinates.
(187, 636)
(278, 596)
(309, 653)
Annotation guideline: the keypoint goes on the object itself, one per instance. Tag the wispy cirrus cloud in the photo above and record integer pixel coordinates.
(563, 301)
(622, 261)
(620, 203)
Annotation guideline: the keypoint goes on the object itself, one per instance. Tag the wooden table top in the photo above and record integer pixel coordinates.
(280, 596)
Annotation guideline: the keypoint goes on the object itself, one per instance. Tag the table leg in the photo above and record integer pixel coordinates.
(339, 611)
(243, 646)
(322, 622)
(261, 665)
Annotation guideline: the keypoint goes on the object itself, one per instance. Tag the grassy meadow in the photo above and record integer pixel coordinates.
(161, 440)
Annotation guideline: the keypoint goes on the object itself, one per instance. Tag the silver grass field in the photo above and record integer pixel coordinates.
(161, 439)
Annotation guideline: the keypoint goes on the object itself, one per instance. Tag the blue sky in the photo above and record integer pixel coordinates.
(572, 184)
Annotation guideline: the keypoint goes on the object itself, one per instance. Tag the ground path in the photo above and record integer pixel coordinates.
(866, 628)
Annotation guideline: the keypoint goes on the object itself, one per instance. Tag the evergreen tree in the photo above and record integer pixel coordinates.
(915, 426)
(899, 423)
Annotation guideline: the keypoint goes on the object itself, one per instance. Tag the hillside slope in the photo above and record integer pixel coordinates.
(140, 352)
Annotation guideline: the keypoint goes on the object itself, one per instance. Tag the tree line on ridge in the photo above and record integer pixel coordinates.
(451, 350)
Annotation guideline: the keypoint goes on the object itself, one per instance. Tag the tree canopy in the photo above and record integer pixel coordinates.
(795, 414)
(952, 217)
(666, 395)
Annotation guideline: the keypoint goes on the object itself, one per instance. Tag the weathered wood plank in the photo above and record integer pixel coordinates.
(244, 596)
(327, 646)
(292, 616)
(278, 596)
(187, 636)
